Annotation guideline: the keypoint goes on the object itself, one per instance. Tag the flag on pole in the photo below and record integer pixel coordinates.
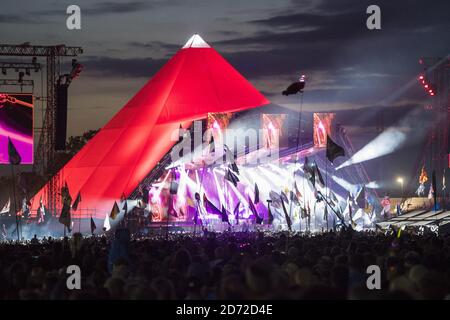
(171, 210)
(230, 176)
(125, 207)
(334, 150)
(275, 197)
(270, 215)
(333, 199)
(225, 215)
(431, 192)
(258, 219)
(65, 217)
(6, 208)
(115, 211)
(236, 212)
(399, 209)
(93, 226)
(230, 157)
(106, 224)
(308, 168)
(433, 182)
(211, 145)
(13, 154)
(294, 198)
(286, 216)
(444, 186)
(325, 213)
(303, 212)
(76, 202)
(420, 190)
(386, 204)
(234, 167)
(297, 191)
(361, 198)
(284, 197)
(423, 176)
(41, 211)
(348, 208)
(209, 207)
(256, 194)
(319, 175)
(190, 202)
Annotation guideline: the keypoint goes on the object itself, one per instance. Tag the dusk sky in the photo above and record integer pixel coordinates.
(269, 42)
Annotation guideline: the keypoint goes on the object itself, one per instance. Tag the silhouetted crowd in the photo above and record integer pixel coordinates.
(229, 266)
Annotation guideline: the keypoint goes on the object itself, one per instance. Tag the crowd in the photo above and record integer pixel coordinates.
(228, 266)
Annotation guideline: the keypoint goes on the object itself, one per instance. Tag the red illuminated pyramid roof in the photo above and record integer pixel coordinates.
(194, 82)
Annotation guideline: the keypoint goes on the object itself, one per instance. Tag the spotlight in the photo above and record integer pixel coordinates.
(421, 77)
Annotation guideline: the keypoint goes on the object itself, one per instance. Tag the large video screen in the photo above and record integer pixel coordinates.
(16, 122)
(322, 127)
(274, 135)
(217, 123)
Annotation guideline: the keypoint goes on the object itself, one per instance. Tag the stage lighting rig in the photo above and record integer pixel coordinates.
(426, 85)
(76, 69)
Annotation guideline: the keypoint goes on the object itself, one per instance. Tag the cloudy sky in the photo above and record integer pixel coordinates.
(269, 42)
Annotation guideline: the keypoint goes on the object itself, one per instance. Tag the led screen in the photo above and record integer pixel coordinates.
(16, 122)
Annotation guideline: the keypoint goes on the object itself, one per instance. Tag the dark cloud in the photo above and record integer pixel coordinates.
(106, 66)
(111, 7)
(15, 19)
(156, 46)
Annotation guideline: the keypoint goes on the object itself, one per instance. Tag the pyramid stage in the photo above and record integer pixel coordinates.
(131, 161)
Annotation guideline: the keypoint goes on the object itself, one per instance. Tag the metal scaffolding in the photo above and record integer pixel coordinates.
(45, 154)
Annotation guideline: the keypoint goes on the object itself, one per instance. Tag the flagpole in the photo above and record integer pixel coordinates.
(79, 221)
(297, 155)
(15, 205)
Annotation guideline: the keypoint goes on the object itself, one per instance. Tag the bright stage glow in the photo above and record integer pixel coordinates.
(352, 188)
(386, 143)
(373, 185)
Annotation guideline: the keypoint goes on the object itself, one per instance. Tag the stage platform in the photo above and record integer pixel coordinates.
(429, 219)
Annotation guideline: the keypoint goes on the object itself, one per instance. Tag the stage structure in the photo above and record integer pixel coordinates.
(232, 195)
(191, 150)
(16, 123)
(193, 83)
(50, 131)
